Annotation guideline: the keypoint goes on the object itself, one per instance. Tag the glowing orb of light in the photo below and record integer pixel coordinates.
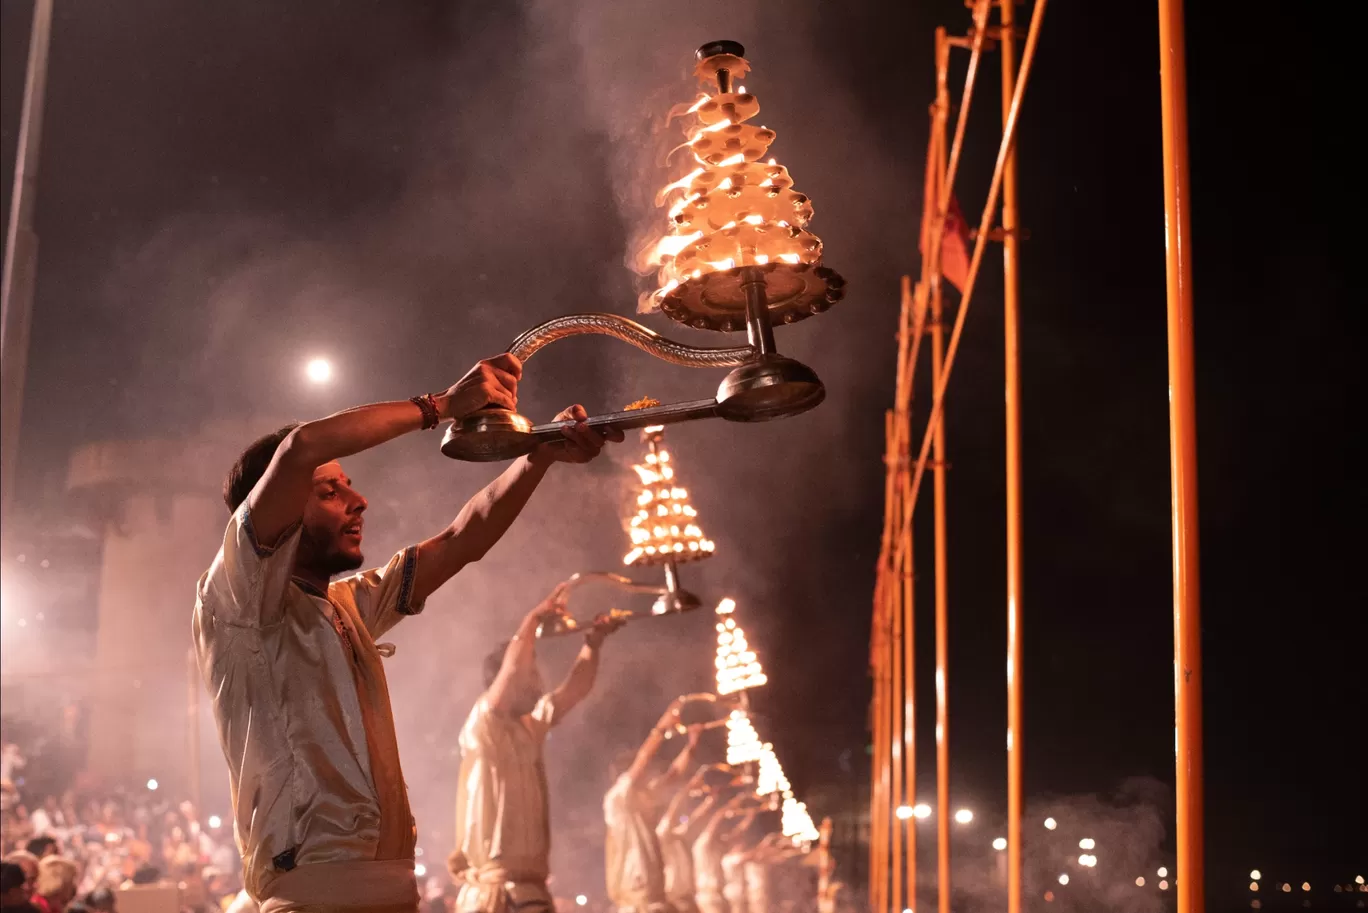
(1087, 843)
(581, 900)
(420, 870)
(904, 812)
(152, 785)
(215, 821)
(1163, 885)
(1163, 872)
(1000, 843)
(318, 370)
(1064, 879)
(1255, 875)
(922, 811)
(1051, 824)
(964, 816)
(1140, 882)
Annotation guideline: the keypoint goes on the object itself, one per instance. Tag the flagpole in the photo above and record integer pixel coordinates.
(21, 254)
(1190, 883)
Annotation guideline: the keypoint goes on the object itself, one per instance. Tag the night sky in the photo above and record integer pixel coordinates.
(229, 189)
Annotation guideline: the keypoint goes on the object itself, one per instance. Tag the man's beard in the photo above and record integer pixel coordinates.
(324, 558)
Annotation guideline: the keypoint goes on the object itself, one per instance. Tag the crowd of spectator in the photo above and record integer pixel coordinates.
(85, 848)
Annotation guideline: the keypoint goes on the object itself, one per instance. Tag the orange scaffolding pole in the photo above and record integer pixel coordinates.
(1187, 657)
(1012, 401)
(943, 882)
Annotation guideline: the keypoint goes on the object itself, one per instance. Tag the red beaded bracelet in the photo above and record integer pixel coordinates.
(428, 404)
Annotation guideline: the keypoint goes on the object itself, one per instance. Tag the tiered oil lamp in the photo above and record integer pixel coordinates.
(664, 531)
(737, 256)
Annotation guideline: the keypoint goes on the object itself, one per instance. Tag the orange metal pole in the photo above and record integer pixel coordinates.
(1012, 399)
(896, 721)
(909, 704)
(1187, 656)
(943, 882)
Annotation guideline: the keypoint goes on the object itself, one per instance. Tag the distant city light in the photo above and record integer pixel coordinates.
(904, 812)
(1163, 885)
(1306, 885)
(1255, 875)
(318, 370)
(964, 816)
(420, 870)
(215, 821)
(922, 810)
(1287, 888)
(152, 784)
(1000, 843)
(1088, 860)
(1051, 824)
(1064, 878)
(1140, 882)
(1163, 872)
(581, 900)
(1358, 879)
(1087, 843)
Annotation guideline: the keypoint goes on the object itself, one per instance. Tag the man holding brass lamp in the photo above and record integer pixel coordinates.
(320, 809)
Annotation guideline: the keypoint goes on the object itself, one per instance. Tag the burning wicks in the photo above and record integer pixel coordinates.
(665, 526)
(739, 669)
(737, 207)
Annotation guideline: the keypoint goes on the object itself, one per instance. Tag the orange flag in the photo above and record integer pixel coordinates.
(954, 260)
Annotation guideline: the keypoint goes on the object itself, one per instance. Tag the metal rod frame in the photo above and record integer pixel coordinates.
(892, 655)
(901, 493)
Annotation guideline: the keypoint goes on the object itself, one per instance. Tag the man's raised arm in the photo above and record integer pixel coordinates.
(488, 515)
(277, 501)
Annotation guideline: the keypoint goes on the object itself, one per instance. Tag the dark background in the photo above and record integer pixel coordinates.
(227, 190)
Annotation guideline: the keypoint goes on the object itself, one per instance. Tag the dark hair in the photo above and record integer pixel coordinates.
(39, 845)
(11, 876)
(147, 874)
(101, 899)
(252, 465)
(494, 662)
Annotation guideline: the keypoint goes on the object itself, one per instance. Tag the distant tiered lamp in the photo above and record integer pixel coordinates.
(736, 256)
(664, 532)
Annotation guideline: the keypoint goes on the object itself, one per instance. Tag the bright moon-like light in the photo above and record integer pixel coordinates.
(1255, 875)
(1000, 843)
(1163, 872)
(903, 812)
(215, 821)
(581, 900)
(1087, 843)
(964, 816)
(318, 370)
(1140, 882)
(922, 811)
(152, 784)
(420, 870)
(1163, 885)
(1051, 824)
(1064, 879)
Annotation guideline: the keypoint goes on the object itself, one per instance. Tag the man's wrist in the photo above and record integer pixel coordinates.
(443, 403)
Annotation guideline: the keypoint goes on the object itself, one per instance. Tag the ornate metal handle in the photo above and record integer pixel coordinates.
(632, 333)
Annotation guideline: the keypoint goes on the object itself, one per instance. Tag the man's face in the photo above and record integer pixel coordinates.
(331, 540)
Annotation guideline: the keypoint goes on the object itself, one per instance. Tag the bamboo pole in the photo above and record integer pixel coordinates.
(1012, 402)
(1008, 138)
(944, 884)
(1187, 658)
